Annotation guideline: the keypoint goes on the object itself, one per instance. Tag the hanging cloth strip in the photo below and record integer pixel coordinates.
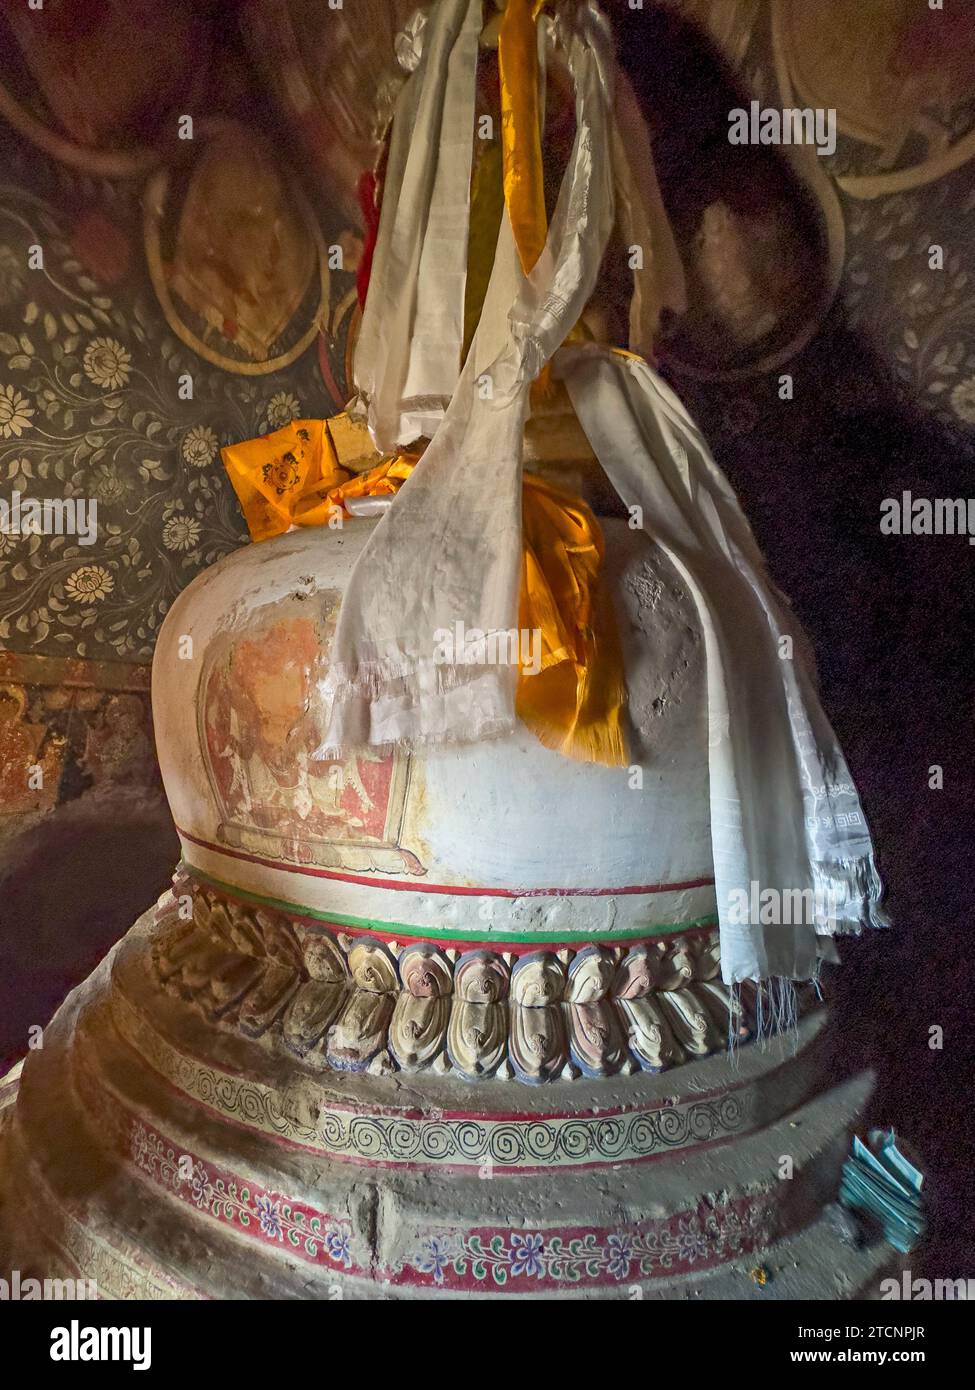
(520, 75)
(658, 283)
(785, 813)
(386, 686)
(412, 334)
(574, 704)
(521, 129)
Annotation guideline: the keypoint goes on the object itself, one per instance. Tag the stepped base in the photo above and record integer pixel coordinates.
(162, 1159)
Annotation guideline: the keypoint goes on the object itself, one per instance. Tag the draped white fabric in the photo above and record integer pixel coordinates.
(784, 812)
(449, 551)
(412, 330)
(643, 223)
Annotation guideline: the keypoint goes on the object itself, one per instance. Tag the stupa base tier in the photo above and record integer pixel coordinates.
(160, 1158)
(354, 1000)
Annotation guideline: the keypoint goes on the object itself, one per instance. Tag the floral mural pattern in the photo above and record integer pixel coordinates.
(686, 1242)
(459, 1259)
(91, 407)
(235, 1202)
(910, 290)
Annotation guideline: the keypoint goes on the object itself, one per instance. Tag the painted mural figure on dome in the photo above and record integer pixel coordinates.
(262, 736)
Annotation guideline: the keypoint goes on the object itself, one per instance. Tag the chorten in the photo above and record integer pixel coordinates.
(324, 1048)
(461, 985)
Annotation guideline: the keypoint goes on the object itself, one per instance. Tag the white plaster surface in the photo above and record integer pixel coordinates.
(508, 814)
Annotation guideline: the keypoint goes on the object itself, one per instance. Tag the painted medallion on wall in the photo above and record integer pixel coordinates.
(900, 75)
(901, 78)
(262, 728)
(235, 253)
(99, 86)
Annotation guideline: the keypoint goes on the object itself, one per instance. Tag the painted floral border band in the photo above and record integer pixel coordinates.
(449, 1258)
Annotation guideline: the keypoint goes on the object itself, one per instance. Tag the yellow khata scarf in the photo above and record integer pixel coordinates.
(521, 142)
(575, 703)
(521, 129)
(572, 697)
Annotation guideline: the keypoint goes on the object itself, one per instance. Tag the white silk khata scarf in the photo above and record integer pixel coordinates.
(450, 550)
(784, 810)
(447, 554)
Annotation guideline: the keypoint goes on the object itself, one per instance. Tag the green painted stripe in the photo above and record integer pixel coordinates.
(398, 929)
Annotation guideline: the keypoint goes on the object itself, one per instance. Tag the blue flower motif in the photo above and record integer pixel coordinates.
(200, 1189)
(620, 1256)
(435, 1256)
(527, 1255)
(337, 1245)
(693, 1245)
(267, 1213)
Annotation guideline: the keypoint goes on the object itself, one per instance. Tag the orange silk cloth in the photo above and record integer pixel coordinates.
(293, 478)
(575, 703)
(521, 144)
(283, 476)
(521, 129)
(571, 689)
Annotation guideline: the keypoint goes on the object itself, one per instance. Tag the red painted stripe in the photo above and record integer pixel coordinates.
(462, 944)
(458, 891)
